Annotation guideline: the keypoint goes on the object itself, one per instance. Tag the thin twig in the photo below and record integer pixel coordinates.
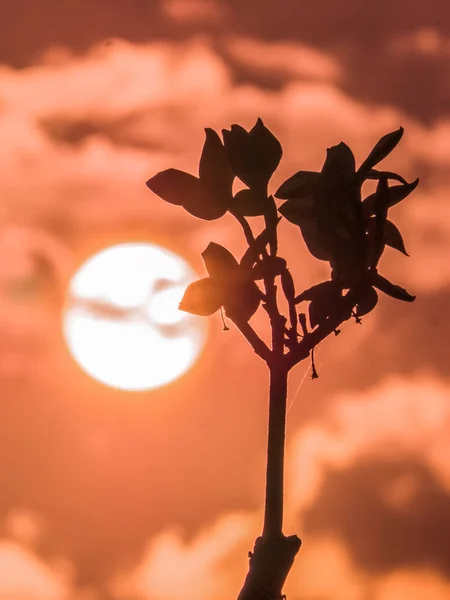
(271, 221)
(289, 291)
(246, 229)
(260, 348)
(312, 339)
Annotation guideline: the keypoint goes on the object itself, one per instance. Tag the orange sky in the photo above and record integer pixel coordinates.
(107, 496)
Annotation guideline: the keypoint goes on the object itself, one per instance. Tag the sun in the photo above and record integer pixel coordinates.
(122, 322)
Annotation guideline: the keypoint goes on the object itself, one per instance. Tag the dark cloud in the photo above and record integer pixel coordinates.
(416, 83)
(391, 515)
(330, 23)
(363, 35)
(28, 30)
(120, 132)
(414, 339)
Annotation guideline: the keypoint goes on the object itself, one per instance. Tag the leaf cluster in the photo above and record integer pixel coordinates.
(337, 223)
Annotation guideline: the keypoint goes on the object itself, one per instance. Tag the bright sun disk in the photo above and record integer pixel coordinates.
(122, 322)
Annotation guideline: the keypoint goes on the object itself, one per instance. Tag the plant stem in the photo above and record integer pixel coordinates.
(273, 516)
(273, 554)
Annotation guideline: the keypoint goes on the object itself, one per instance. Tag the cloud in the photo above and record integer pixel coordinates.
(23, 527)
(324, 569)
(80, 136)
(76, 26)
(426, 40)
(212, 565)
(195, 11)
(373, 473)
(413, 585)
(362, 38)
(391, 513)
(365, 39)
(404, 417)
(23, 576)
(174, 568)
(282, 61)
(372, 484)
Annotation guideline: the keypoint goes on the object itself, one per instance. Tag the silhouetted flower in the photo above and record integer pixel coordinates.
(253, 155)
(230, 285)
(207, 196)
(340, 228)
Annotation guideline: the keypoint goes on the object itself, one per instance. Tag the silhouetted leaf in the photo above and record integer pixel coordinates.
(214, 170)
(200, 298)
(236, 145)
(395, 291)
(374, 174)
(228, 285)
(241, 299)
(339, 163)
(382, 200)
(249, 203)
(275, 265)
(317, 313)
(337, 199)
(175, 186)
(393, 237)
(367, 303)
(375, 229)
(183, 189)
(375, 243)
(297, 186)
(314, 291)
(315, 241)
(268, 149)
(324, 298)
(400, 192)
(297, 209)
(219, 262)
(397, 194)
(253, 155)
(287, 283)
(382, 148)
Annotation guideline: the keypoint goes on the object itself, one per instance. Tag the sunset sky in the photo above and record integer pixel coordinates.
(109, 495)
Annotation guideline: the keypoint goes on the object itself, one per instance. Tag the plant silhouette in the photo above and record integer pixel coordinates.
(338, 226)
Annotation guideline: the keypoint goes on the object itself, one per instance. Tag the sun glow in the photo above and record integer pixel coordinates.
(122, 322)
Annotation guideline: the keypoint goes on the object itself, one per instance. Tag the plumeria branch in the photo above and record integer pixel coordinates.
(338, 226)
